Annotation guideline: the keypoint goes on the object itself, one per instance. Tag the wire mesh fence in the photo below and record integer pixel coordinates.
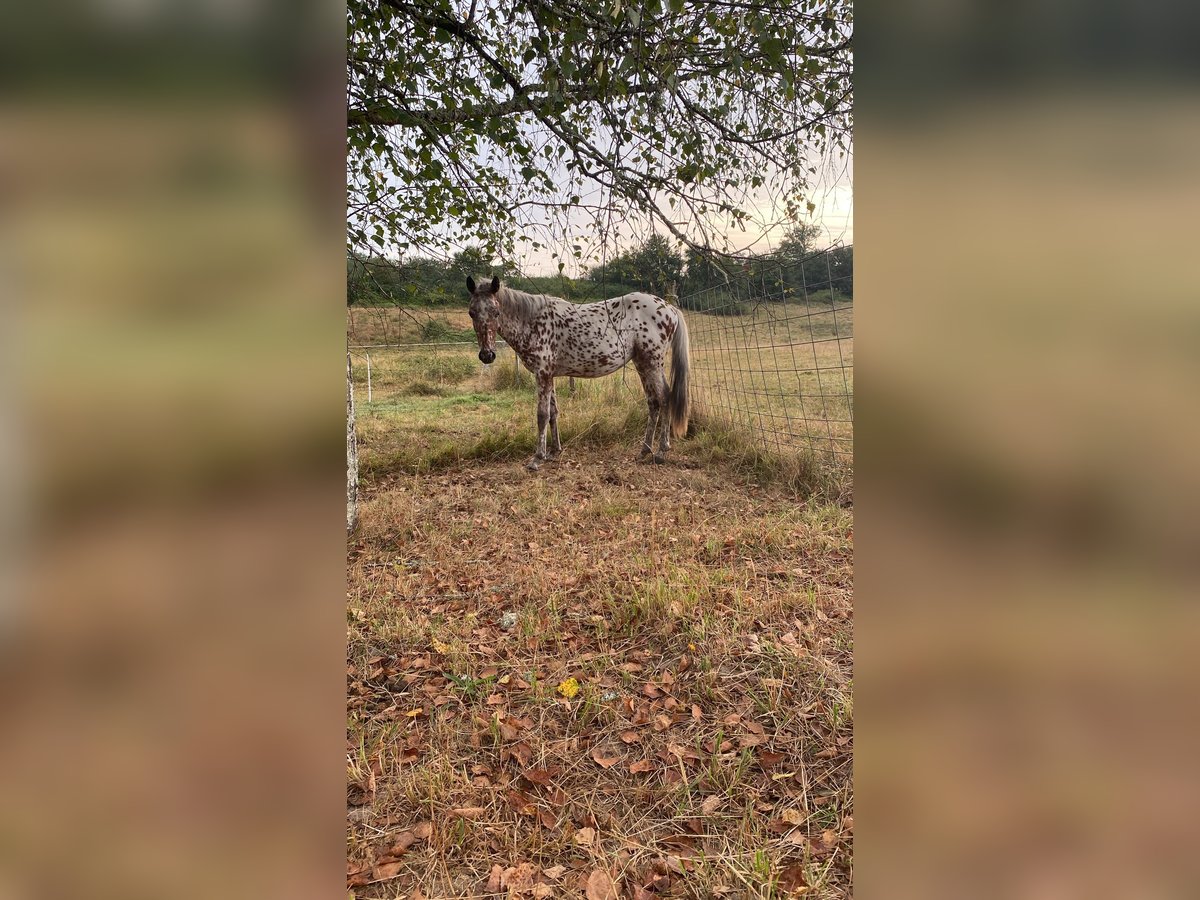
(772, 356)
(772, 353)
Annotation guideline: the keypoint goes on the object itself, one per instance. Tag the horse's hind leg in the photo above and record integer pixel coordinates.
(661, 391)
(664, 440)
(656, 408)
(555, 443)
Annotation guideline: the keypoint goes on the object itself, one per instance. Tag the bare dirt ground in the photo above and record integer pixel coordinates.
(604, 680)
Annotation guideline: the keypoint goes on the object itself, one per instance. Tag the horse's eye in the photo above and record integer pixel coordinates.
(472, 314)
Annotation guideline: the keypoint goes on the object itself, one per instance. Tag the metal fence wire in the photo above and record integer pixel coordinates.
(772, 353)
(772, 356)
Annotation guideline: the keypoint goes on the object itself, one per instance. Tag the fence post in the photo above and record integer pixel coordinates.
(368, 377)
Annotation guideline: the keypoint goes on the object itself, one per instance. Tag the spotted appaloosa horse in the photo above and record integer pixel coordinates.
(554, 337)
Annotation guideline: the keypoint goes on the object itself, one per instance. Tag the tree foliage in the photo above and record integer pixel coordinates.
(469, 121)
(795, 269)
(652, 267)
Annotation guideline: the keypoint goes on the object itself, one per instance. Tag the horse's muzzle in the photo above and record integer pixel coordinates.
(486, 356)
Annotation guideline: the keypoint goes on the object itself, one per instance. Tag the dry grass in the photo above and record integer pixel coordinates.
(782, 372)
(401, 325)
(703, 608)
(707, 621)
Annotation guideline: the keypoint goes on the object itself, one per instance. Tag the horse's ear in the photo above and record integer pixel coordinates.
(495, 284)
(470, 284)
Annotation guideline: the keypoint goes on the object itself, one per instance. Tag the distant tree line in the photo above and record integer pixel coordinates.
(792, 272)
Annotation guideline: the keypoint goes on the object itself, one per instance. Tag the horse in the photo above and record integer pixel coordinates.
(553, 337)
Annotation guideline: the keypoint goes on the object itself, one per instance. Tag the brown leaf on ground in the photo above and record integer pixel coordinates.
(361, 792)
(600, 886)
(468, 812)
(791, 880)
(642, 765)
(386, 871)
(630, 737)
(402, 842)
(422, 831)
(605, 762)
(521, 752)
(521, 803)
(518, 879)
(710, 805)
(584, 837)
(554, 872)
(493, 885)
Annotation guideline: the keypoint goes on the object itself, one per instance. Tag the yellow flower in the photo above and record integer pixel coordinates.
(569, 688)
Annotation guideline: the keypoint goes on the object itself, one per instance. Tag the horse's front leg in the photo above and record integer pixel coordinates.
(545, 392)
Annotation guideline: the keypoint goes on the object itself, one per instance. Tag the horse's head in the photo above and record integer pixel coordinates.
(485, 313)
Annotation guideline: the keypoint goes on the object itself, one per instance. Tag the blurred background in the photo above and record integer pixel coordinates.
(1029, 353)
(172, 285)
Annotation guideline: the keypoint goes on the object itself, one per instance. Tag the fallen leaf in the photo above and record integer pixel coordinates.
(792, 816)
(710, 805)
(554, 872)
(521, 803)
(493, 885)
(518, 879)
(605, 762)
(642, 765)
(386, 872)
(585, 837)
(468, 812)
(422, 831)
(539, 776)
(404, 840)
(791, 880)
(600, 886)
(630, 737)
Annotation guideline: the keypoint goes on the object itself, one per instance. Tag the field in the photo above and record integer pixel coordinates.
(605, 679)
(783, 372)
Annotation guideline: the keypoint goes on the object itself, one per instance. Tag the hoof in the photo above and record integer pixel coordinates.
(658, 459)
(533, 465)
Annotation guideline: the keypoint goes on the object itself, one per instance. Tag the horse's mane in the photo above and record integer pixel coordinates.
(526, 306)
